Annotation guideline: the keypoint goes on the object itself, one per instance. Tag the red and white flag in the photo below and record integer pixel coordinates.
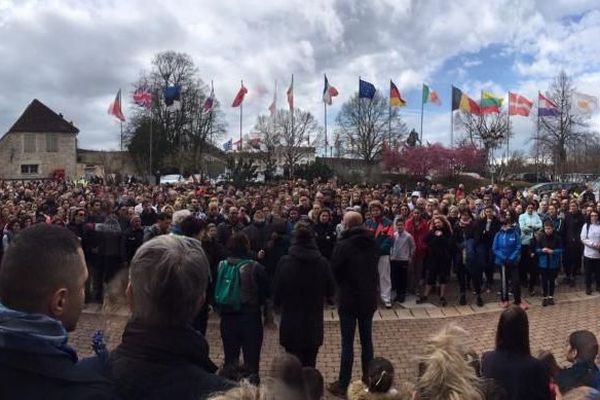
(115, 107)
(519, 105)
(290, 95)
(239, 97)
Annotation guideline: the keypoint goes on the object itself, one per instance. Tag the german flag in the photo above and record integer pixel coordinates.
(396, 99)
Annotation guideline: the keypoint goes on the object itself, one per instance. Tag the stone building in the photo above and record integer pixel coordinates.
(41, 144)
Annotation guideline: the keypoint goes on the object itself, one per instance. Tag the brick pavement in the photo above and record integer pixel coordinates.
(399, 339)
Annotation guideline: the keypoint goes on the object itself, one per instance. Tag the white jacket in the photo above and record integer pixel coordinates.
(589, 239)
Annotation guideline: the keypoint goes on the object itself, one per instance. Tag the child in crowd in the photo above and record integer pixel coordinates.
(401, 256)
(379, 384)
(582, 351)
(548, 247)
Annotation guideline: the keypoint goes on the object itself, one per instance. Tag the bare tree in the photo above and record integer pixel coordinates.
(365, 125)
(487, 131)
(296, 134)
(268, 140)
(558, 134)
(179, 136)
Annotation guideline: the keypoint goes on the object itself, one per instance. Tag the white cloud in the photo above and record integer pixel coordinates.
(74, 54)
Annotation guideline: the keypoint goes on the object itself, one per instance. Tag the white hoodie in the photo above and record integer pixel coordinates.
(591, 240)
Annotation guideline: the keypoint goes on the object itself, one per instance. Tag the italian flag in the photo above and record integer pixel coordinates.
(430, 96)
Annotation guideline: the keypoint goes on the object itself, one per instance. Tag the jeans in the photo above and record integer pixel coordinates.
(510, 271)
(398, 273)
(548, 281)
(528, 268)
(385, 283)
(468, 268)
(572, 259)
(242, 332)
(348, 328)
(592, 272)
(485, 259)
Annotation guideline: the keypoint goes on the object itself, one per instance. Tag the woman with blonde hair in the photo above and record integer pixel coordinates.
(445, 371)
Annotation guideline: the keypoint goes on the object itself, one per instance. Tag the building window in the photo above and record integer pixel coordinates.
(29, 143)
(29, 169)
(52, 143)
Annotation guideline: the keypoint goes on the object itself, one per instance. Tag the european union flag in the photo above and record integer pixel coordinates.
(366, 89)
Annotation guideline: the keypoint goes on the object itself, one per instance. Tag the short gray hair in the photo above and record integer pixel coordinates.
(179, 216)
(168, 276)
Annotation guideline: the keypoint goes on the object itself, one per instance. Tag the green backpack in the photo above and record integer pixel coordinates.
(228, 287)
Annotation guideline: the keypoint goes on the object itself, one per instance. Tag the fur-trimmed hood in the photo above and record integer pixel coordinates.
(358, 391)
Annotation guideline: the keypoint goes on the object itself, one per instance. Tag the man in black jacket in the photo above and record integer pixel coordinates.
(42, 281)
(303, 282)
(485, 231)
(161, 356)
(354, 265)
(574, 221)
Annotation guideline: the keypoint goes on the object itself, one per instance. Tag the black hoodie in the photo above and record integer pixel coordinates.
(302, 283)
(354, 265)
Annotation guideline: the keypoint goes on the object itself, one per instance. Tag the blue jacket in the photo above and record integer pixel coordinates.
(383, 232)
(550, 261)
(507, 246)
(37, 363)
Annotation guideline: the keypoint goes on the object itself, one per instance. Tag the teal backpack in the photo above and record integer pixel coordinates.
(228, 287)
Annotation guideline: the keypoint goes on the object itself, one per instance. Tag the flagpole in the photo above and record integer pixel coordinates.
(241, 114)
(508, 132)
(121, 135)
(422, 106)
(537, 141)
(150, 157)
(451, 118)
(390, 118)
(325, 118)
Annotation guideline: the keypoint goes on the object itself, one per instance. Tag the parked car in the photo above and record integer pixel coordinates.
(171, 178)
(548, 187)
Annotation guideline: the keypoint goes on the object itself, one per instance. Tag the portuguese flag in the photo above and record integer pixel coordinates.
(396, 99)
(430, 96)
(490, 103)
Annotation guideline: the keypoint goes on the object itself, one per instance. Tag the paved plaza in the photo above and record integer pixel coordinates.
(398, 334)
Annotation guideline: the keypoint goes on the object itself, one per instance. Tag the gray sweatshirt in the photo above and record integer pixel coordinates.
(403, 248)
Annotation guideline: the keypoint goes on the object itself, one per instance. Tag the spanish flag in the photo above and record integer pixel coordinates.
(396, 99)
(461, 101)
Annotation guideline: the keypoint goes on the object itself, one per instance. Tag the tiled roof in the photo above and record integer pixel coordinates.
(37, 117)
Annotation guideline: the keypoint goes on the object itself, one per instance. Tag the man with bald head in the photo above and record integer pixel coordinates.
(354, 264)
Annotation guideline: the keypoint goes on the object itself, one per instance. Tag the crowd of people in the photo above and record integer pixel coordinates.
(290, 248)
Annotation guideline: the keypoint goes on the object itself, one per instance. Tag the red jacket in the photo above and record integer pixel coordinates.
(418, 232)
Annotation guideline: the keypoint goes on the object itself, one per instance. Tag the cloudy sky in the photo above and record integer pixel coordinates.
(74, 55)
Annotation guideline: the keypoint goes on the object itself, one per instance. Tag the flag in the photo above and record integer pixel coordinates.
(237, 144)
(228, 145)
(328, 92)
(396, 99)
(583, 104)
(290, 94)
(430, 96)
(366, 90)
(273, 106)
(172, 97)
(461, 101)
(490, 103)
(546, 107)
(143, 97)
(239, 97)
(519, 105)
(209, 103)
(115, 107)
